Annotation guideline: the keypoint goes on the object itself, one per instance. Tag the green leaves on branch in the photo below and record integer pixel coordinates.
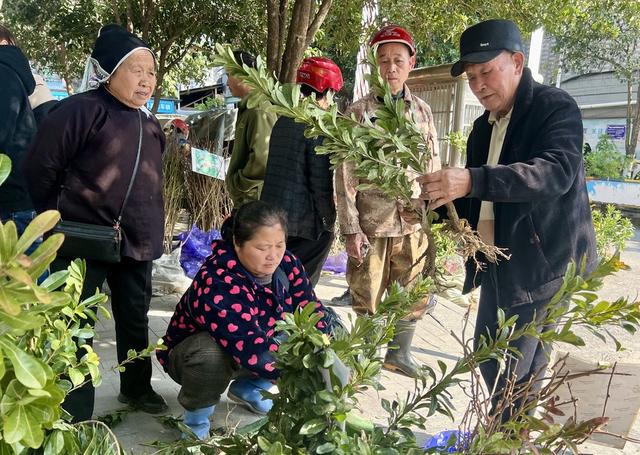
(382, 153)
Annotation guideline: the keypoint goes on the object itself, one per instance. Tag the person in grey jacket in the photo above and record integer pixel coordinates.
(523, 189)
(298, 180)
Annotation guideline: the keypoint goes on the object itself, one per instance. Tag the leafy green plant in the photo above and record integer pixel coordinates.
(309, 416)
(39, 328)
(612, 230)
(458, 142)
(605, 161)
(212, 102)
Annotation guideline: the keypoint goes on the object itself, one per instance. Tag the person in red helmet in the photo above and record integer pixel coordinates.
(181, 126)
(299, 181)
(382, 247)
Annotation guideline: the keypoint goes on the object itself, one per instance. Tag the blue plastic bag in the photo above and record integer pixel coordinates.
(447, 441)
(196, 247)
(336, 264)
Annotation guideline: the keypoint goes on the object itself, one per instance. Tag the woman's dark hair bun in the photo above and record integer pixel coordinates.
(241, 225)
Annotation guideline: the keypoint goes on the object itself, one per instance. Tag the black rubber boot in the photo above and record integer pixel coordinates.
(399, 358)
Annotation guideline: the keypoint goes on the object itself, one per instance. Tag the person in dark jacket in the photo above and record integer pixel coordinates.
(298, 180)
(523, 189)
(224, 325)
(17, 129)
(82, 162)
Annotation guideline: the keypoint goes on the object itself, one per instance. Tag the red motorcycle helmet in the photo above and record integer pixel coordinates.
(320, 73)
(393, 34)
(181, 126)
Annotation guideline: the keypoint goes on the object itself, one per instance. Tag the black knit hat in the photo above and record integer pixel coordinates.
(113, 45)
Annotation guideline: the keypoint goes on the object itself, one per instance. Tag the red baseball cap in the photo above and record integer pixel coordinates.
(320, 73)
(393, 34)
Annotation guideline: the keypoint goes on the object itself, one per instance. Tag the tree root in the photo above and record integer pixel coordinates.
(467, 240)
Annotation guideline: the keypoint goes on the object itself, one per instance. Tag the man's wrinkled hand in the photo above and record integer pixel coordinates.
(445, 185)
(357, 246)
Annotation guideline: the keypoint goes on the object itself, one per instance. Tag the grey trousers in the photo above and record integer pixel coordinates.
(203, 369)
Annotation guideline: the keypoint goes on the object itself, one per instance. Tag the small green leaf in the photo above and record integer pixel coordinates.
(313, 426)
(327, 447)
(5, 167)
(36, 229)
(29, 370)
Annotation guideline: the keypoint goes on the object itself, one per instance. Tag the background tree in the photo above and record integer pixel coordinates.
(58, 35)
(604, 35)
(436, 26)
(290, 31)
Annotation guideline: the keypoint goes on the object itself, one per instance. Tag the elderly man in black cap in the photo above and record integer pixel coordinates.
(523, 189)
(98, 159)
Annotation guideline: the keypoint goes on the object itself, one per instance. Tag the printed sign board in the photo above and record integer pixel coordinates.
(207, 163)
(616, 131)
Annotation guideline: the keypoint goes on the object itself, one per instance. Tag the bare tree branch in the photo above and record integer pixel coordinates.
(116, 12)
(273, 34)
(317, 21)
(296, 39)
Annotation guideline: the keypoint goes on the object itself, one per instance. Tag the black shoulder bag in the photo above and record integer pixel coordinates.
(94, 241)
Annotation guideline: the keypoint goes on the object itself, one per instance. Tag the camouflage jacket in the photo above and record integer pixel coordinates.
(370, 211)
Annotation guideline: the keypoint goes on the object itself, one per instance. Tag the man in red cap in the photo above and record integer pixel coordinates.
(370, 221)
(523, 189)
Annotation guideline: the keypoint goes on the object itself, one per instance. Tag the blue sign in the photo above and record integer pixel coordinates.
(166, 106)
(616, 131)
(59, 94)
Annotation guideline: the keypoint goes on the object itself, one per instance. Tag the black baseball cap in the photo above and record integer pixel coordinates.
(485, 41)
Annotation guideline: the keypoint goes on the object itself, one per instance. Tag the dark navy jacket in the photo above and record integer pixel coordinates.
(17, 126)
(541, 207)
(299, 181)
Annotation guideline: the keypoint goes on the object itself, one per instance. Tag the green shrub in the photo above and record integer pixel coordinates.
(612, 230)
(39, 325)
(605, 161)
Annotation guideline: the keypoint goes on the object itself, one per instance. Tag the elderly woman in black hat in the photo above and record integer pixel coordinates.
(98, 159)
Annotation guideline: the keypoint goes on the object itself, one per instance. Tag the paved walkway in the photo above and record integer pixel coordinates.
(433, 342)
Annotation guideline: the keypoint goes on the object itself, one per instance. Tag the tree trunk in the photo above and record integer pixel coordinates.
(276, 29)
(162, 60)
(317, 21)
(635, 126)
(148, 14)
(627, 136)
(303, 26)
(129, 24)
(116, 12)
(296, 40)
(273, 34)
(282, 27)
(66, 72)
